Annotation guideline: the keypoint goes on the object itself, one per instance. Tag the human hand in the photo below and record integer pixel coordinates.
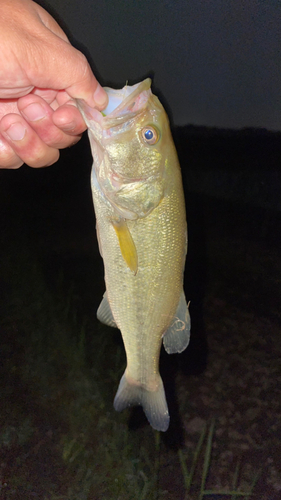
(41, 75)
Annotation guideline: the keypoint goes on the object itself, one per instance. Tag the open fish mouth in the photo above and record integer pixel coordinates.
(123, 104)
(130, 99)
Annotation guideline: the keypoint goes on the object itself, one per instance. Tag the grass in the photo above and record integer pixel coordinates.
(188, 474)
(61, 371)
(101, 456)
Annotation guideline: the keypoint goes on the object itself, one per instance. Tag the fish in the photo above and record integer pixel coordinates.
(142, 236)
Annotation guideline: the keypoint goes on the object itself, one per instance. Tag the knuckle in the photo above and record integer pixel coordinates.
(82, 57)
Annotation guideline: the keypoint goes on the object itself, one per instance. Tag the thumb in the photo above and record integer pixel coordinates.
(59, 66)
(83, 84)
(63, 67)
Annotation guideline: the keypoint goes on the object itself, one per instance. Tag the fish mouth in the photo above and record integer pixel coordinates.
(129, 99)
(123, 105)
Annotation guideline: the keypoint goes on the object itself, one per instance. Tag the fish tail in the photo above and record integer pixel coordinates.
(153, 402)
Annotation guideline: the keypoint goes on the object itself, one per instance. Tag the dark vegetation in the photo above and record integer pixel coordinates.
(59, 435)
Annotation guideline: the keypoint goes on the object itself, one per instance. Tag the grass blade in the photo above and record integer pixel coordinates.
(235, 479)
(207, 459)
(255, 478)
(188, 476)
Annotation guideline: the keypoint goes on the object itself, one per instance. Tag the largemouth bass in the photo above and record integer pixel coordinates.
(142, 235)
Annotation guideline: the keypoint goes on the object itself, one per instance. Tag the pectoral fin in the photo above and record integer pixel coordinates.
(177, 336)
(127, 245)
(104, 313)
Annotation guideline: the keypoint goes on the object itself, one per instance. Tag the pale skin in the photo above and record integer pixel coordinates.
(41, 75)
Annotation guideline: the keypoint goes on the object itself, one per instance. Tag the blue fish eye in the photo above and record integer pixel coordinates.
(150, 135)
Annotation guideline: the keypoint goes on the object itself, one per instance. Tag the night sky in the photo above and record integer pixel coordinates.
(213, 62)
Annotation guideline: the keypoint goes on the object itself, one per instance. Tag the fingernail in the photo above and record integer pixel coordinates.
(16, 131)
(100, 96)
(34, 112)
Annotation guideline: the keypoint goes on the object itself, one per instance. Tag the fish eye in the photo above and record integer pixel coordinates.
(150, 135)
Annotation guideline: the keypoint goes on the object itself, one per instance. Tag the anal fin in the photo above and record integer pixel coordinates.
(176, 338)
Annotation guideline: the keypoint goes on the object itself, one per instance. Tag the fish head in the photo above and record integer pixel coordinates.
(130, 141)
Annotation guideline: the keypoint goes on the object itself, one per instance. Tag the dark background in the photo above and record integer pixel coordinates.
(216, 62)
(215, 67)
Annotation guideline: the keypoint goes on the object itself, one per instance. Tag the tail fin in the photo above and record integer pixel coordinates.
(153, 402)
